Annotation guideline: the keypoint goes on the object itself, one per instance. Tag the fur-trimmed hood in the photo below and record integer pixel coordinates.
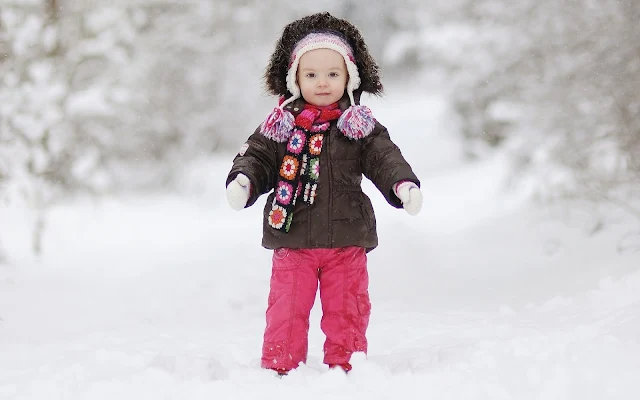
(276, 73)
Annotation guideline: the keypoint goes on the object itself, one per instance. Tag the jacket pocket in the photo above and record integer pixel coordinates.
(367, 217)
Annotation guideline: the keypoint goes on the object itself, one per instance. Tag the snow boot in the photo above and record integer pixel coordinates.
(346, 367)
(281, 371)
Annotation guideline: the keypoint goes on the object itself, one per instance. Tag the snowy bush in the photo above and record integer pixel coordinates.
(554, 81)
(98, 97)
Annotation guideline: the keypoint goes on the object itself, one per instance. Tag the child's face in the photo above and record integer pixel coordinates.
(322, 76)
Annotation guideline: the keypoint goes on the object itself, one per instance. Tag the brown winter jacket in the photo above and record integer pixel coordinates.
(342, 214)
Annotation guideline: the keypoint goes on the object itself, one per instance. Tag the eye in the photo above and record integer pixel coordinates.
(334, 74)
(310, 75)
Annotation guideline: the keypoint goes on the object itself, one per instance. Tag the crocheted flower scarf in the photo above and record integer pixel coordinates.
(300, 168)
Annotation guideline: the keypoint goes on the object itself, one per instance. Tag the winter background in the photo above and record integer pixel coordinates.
(124, 273)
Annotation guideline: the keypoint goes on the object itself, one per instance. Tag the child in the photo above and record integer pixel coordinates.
(309, 154)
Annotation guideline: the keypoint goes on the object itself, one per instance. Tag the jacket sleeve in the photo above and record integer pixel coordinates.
(258, 161)
(384, 164)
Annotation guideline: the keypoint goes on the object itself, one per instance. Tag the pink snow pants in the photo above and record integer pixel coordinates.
(344, 282)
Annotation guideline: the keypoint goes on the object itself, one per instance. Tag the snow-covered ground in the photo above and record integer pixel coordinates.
(481, 296)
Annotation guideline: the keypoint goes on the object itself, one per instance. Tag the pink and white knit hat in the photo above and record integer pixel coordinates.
(356, 122)
(322, 40)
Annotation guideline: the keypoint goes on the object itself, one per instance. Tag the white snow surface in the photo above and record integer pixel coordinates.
(481, 296)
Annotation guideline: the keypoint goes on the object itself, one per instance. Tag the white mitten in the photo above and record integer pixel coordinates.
(410, 195)
(238, 192)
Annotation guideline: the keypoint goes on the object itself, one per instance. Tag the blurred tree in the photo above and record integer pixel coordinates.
(577, 78)
(31, 107)
(58, 98)
(102, 97)
(558, 82)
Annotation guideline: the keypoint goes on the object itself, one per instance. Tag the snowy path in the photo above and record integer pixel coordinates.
(479, 297)
(169, 307)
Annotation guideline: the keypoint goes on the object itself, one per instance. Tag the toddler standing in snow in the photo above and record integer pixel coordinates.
(310, 154)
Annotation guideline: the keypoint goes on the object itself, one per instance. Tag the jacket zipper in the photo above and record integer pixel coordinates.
(329, 190)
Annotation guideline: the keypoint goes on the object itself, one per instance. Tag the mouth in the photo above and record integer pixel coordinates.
(322, 94)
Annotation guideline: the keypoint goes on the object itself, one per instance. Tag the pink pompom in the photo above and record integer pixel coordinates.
(356, 122)
(278, 125)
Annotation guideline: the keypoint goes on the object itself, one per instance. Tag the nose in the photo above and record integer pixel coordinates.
(322, 82)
